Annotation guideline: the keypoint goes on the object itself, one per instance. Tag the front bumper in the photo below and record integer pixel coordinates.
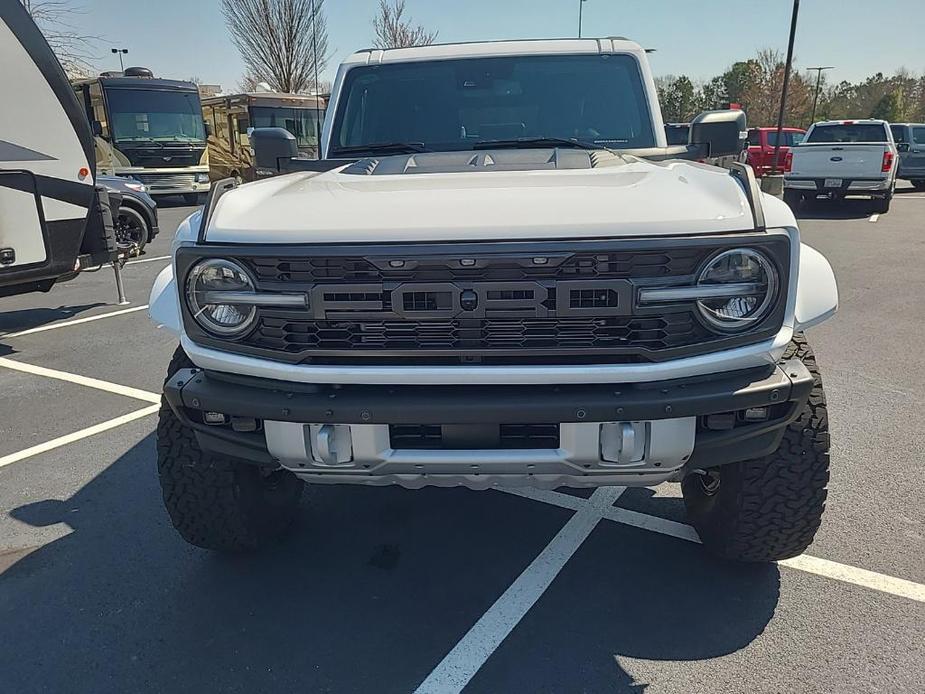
(667, 421)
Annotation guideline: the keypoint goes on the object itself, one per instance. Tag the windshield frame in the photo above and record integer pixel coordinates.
(198, 140)
(649, 120)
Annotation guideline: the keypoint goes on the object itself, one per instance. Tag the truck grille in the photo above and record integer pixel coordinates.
(167, 180)
(482, 303)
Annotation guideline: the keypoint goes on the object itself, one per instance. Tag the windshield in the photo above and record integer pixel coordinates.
(140, 115)
(853, 132)
(449, 105)
(303, 123)
(787, 139)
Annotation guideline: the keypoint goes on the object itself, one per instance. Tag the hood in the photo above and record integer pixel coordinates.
(463, 196)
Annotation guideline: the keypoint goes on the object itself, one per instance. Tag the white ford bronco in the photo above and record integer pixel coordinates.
(498, 274)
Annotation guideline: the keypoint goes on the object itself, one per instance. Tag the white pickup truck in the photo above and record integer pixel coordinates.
(843, 157)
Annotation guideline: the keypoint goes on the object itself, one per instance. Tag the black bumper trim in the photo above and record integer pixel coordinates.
(353, 404)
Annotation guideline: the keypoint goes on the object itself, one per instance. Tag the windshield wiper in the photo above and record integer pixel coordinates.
(382, 148)
(536, 142)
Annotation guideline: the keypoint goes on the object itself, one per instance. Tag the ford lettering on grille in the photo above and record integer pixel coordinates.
(444, 300)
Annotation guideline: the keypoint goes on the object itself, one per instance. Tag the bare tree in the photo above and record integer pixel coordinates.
(394, 31)
(282, 42)
(73, 49)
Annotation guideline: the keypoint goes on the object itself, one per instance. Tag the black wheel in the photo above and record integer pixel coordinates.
(769, 508)
(191, 198)
(918, 185)
(216, 502)
(882, 205)
(131, 230)
(793, 198)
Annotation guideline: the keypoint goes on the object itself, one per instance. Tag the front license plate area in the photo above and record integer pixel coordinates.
(833, 183)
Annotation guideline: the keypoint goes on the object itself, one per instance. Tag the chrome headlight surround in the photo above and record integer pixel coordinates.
(737, 289)
(220, 297)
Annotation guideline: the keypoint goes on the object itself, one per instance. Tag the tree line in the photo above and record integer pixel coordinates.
(756, 85)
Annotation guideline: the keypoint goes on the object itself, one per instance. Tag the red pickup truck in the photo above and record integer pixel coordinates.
(761, 143)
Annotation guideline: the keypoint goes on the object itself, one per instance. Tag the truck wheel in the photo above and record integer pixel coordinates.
(768, 508)
(882, 205)
(131, 230)
(216, 502)
(793, 198)
(918, 185)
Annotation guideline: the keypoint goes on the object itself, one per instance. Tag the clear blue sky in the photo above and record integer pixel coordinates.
(700, 38)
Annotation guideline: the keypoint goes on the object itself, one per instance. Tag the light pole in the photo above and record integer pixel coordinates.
(120, 52)
(581, 6)
(783, 96)
(812, 118)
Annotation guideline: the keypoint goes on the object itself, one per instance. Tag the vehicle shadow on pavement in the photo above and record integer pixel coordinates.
(852, 208)
(26, 319)
(368, 594)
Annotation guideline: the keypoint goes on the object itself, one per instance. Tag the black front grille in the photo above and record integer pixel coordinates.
(423, 437)
(614, 333)
(613, 265)
(485, 303)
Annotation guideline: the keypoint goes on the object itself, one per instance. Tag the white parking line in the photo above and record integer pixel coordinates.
(883, 583)
(115, 388)
(77, 436)
(874, 218)
(460, 665)
(77, 321)
(148, 260)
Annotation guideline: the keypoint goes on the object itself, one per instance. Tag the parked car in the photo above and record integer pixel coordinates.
(910, 144)
(840, 158)
(761, 143)
(136, 221)
(485, 293)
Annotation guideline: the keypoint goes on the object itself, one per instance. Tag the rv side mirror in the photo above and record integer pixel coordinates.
(272, 147)
(720, 133)
(208, 127)
(97, 128)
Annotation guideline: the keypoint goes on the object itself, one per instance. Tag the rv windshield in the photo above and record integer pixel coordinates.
(301, 122)
(448, 105)
(144, 115)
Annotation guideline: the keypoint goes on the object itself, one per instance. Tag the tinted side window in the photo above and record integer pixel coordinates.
(899, 133)
(754, 138)
(918, 135)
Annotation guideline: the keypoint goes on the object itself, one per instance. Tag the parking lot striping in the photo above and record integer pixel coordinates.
(466, 658)
(883, 583)
(874, 218)
(148, 260)
(77, 435)
(568, 501)
(76, 321)
(114, 388)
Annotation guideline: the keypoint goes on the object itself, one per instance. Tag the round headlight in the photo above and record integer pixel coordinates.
(744, 284)
(217, 292)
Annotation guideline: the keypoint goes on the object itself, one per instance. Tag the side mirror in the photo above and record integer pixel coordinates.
(720, 133)
(902, 146)
(272, 146)
(208, 127)
(97, 128)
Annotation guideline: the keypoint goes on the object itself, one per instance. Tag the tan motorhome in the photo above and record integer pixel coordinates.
(231, 118)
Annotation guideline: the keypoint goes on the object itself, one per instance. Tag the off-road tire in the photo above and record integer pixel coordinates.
(216, 502)
(793, 198)
(769, 508)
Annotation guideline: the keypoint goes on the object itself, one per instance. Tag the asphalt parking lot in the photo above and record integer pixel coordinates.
(389, 590)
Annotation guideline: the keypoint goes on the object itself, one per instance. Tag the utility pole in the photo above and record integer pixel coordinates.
(581, 6)
(783, 96)
(812, 118)
(120, 52)
(317, 90)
